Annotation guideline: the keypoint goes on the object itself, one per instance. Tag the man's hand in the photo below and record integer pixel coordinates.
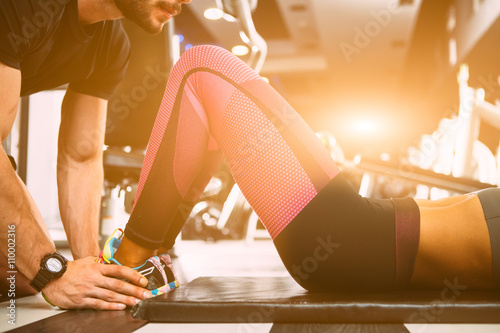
(88, 284)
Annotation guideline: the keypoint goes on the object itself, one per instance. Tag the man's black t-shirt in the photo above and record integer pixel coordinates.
(45, 40)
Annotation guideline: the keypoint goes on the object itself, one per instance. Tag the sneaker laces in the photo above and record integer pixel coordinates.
(106, 256)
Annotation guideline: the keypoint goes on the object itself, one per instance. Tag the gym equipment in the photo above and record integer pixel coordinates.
(454, 147)
(241, 11)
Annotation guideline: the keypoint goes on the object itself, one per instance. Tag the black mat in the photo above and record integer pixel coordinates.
(281, 300)
(77, 321)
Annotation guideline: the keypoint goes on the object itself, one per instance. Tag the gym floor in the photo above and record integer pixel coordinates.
(195, 259)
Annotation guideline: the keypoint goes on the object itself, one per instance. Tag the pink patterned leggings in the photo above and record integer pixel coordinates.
(215, 105)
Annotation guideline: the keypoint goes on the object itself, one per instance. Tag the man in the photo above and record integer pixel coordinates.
(44, 44)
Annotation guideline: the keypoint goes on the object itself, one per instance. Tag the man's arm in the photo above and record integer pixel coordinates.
(79, 170)
(16, 209)
(85, 283)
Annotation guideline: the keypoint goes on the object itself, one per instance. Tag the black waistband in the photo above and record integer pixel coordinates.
(407, 226)
(490, 201)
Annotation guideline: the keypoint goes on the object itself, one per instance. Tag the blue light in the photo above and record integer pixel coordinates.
(188, 46)
(181, 38)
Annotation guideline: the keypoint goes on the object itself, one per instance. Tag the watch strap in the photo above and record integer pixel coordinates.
(39, 281)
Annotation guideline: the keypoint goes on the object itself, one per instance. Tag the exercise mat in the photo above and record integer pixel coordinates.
(281, 300)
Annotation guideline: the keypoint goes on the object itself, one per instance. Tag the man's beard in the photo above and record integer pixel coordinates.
(140, 12)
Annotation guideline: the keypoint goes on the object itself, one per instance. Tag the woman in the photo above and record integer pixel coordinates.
(329, 238)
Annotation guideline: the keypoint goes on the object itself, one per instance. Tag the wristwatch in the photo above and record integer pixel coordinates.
(52, 266)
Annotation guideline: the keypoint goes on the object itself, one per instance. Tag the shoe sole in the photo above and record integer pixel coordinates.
(166, 288)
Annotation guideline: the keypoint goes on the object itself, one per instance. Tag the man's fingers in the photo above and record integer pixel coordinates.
(99, 304)
(109, 296)
(124, 288)
(124, 272)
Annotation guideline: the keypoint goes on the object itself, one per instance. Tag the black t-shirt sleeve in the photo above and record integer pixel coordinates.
(111, 64)
(22, 25)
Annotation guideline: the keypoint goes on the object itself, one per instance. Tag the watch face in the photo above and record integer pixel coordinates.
(53, 265)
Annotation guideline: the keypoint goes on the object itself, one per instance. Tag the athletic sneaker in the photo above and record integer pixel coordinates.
(157, 270)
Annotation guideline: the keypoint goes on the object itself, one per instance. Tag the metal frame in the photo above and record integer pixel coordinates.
(473, 110)
(248, 33)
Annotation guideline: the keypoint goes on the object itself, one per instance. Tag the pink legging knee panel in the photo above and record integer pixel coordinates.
(216, 105)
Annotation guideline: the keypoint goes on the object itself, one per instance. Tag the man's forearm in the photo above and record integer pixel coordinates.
(19, 218)
(80, 185)
(79, 170)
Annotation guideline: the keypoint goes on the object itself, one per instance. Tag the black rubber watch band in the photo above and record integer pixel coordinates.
(39, 281)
